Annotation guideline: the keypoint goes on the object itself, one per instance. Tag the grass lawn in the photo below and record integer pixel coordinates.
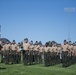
(39, 69)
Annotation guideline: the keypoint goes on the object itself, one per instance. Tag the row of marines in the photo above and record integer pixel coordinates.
(34, 53)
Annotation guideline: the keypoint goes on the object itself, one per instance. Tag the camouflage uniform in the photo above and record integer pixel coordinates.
(26, 51)
(13, 52)
(7, 52)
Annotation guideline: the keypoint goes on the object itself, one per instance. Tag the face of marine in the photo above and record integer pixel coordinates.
(18, 44)
(31, 43)
(7, 42)
(14, 43)
(64, 43)
(36, 43)
(26, 41)
(3, 43)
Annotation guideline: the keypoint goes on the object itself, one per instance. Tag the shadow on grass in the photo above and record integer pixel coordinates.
(2, 68)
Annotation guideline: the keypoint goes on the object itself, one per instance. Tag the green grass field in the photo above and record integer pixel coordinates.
(39, 69)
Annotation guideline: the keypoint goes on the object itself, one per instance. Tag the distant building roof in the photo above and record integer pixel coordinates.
(5, 40)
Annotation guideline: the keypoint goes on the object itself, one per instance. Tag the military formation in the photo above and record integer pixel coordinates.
(10, 52)
(30, 53)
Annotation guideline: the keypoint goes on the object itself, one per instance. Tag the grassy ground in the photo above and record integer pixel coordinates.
(39, 69)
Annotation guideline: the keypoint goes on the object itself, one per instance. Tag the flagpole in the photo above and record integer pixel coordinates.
(69, 10)
(0, 31)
